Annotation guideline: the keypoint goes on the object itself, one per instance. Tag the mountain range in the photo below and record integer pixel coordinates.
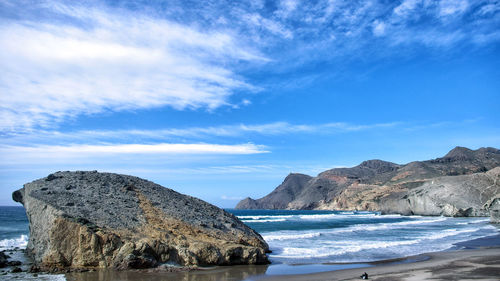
(461, 183)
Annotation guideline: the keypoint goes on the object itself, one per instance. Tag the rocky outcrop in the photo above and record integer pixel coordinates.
(457, 184)
(3, 260)
(462, 196)
(247, 203)
(289, 190)
(102, 220)
(494, 208)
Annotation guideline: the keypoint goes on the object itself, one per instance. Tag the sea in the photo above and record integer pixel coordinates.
(315, 241)
(319, 237)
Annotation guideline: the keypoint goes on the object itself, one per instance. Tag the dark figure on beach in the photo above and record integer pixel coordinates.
(364, 276)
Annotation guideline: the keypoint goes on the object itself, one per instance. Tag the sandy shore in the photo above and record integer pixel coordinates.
(481, 264)
(477, 259)
(477, 264)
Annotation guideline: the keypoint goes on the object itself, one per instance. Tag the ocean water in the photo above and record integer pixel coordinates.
(14, 228)
(318, 237)
(315, 240)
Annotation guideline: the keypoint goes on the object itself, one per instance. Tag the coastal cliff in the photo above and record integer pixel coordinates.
(458, 184)
(103, 220)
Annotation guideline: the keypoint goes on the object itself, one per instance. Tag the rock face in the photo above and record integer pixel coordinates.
(494, 207)
(290, 189)
(103, 220)
(458, 184)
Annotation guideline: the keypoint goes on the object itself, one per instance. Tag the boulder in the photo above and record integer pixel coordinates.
(102, 220)
(3, 260)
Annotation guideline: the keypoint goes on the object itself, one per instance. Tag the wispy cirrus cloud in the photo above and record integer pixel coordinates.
(102, 60)
(452, 7)
(62, 59)
(190, 133)
(50, 153)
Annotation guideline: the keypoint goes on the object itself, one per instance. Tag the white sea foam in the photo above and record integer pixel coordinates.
(263, 217)
(474, 221)
(316, 217)
(380, 226)
(318, 252)
(338, 216)
(358, 237)
(448, 233)
(291, 236)
(348, 249)
(19, 242)
(269, 220)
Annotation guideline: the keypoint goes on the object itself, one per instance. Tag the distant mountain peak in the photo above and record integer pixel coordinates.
(460, 152)
(326, 190)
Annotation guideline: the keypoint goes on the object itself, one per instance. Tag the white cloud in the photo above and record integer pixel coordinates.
(109, 59)
(162, 148)
(287, 7)
(275, 27)
(378, 28)
(120, 156)
(406, 7)
(193, 133)
(489, 9)
(451, 7)
(52, 71)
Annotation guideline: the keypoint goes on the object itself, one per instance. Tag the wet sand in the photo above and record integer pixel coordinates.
(482, 264)
(478, 264)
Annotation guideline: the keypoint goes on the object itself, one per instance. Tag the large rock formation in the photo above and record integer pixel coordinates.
(103, 220)
(458, 184)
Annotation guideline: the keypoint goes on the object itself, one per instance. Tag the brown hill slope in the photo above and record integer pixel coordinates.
(457, 184)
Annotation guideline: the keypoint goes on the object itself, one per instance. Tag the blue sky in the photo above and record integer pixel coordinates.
(222, 99)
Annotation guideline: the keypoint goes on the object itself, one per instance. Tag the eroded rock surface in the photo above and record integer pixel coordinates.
(494, 208)
(104, 220)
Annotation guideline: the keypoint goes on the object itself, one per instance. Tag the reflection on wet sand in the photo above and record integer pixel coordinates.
(233, 273)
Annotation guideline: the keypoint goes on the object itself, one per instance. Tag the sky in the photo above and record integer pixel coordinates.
(223, 99)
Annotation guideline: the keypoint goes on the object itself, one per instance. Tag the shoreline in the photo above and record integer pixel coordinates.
(295, 271)
(482, 255)
(477, 264)
(477, 259)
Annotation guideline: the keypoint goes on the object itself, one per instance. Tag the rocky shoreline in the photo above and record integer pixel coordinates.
(9, 261)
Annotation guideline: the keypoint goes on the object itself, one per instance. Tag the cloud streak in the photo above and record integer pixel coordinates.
(192, 133)
(52, 71)
(161, 148)
(61, 60)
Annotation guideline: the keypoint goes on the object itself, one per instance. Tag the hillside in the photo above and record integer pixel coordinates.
(458, 184)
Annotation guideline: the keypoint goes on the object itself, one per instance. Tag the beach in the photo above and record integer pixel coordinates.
(477, 260)
(477, 264)
(468, 264)
(480, 264)
(387, 247)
